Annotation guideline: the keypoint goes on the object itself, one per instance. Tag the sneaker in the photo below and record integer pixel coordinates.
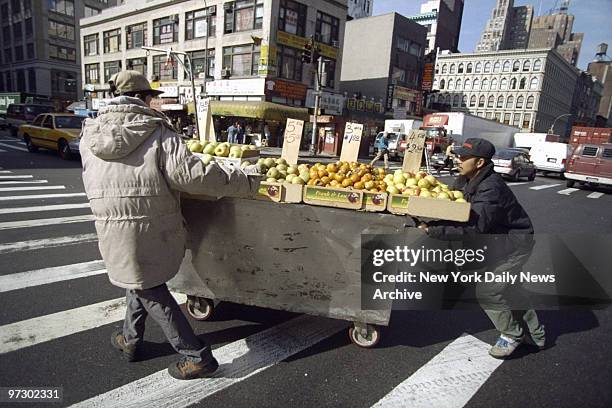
(129, 350)
(504, 347)
(187, 369)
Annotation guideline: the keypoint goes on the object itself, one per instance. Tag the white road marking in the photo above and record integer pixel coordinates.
(37, 196)
(46, 243)
(45, 221)
(50, 275)
(595, 195)
(449, 380)
(32, 188)
(18, 210)
(24, 182)
(567, 191)
(16, 177)
(5, 171)
(2, 151)
(237, 361)
(26, 333)
(519, 183)
(13, 140)
(14, 147)
(542, 187)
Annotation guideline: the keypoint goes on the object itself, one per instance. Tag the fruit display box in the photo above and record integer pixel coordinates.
(428, 207)
(280, 192)
(374, 202)
(333, 197)
(239, 160)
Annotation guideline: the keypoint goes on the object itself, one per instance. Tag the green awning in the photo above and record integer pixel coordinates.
(258, 110)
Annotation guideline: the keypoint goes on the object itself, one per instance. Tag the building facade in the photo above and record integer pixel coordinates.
(442, 18)
(496, 31)
(245, 50)
(40, 52)
(555, 31)
(528, 89)
(586, 100)
(601, 68)
(383, 62)
(360, 8)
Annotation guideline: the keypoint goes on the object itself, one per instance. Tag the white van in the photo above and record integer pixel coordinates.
(550, 156)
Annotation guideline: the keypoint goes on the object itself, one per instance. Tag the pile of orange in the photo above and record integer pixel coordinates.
(348, 175)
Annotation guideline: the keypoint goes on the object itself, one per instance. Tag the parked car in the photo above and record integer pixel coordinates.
(550, 157)
(18, 114)
(56, 131)
(514, 163)
(590, 164)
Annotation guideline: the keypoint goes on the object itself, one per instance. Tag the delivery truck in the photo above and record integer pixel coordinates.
(398, 130)
(581, 134)
(529, 140)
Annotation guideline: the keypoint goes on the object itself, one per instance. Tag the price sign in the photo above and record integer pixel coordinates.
(415, 143)
(206, 129)
(351, 142)
(292, 140)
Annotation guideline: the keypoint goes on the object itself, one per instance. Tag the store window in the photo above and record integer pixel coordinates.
(61, 30)
(516, 120)
(136, 35)
(138, 64)
(290, 63)
(65, 7)
(327, 29)
(243, 15)
(163, 69)
(90, 44)
(527, 121)
(199, 61)
(292, 17)
(241, 60)
(165, 30)
(110, 69)
(197, 24)
(92, 73)
(112, 41)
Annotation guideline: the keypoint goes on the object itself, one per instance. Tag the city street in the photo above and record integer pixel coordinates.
(58, 310)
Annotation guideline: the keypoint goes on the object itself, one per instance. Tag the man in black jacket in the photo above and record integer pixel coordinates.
(495, 212)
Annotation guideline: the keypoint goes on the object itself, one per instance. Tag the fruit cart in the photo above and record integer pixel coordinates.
(292, 257)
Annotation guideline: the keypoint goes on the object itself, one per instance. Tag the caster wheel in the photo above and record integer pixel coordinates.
(371, 340)
(200, 308)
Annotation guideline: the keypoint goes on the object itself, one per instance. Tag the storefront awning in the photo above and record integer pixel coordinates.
(258, 110)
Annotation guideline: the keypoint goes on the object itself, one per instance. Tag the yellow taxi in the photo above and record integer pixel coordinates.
(55, 131)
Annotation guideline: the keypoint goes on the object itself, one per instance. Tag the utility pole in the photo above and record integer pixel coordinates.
(317, 95)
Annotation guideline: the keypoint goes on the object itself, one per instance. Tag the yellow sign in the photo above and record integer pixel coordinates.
(267, 59)
(295, 41)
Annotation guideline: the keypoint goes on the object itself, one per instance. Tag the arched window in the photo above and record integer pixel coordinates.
(458, 85)
(515, 67)
(473, 101)
(476, 84)
(468, 85)
(487, 67)
(526, 66)
(523, 83)
(519, 102)
(444, 69)
(451, 85)
(460, 69)
(500, 102)
(485, 84)
(494, 84)
(452, 69)
(497, 67)
(469, 68)
(464, 101)
(513, 83)
(533, 84)
(457, 100)
(503, 84)
(491, 101)
(442, 83)
(510, 102)
(435, 83)
(447, 99)
(506, 66)
(481, 101)
(530, 101)
(478, 67)
(537, 65)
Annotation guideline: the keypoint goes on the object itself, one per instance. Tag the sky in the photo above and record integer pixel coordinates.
(592, 19)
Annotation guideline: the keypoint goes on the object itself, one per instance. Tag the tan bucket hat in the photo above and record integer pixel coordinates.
(131, 81)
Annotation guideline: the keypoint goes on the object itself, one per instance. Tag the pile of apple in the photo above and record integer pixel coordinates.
(210, 149)
(348, 175)
(278, 170)
(420, 184)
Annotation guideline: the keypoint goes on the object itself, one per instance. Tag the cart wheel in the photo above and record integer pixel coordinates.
(200, 308)
(369, 341)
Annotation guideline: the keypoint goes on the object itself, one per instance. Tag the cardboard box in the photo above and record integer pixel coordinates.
(397, 204)
(280, 192)
(333, 197)
(374, 201)
(236, 162)
(438, 209)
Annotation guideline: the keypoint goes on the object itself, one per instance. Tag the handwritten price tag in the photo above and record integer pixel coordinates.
(292, 140)
(415, 142)
(351, 142)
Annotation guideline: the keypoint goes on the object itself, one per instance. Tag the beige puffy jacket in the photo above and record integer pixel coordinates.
(134, 167)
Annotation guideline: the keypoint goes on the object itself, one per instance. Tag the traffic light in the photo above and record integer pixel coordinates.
(307, 52)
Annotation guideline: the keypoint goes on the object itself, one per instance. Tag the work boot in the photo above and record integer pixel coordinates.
(129, 350)
(504, 347)
(187, 369)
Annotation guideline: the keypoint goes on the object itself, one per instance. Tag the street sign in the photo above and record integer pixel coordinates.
(351, 142)
(292, 140)
(415, 142)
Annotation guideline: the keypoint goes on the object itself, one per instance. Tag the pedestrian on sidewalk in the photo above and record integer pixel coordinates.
(232, 133)
(382, 145)
(134, 166)
(495, 214)
(240, 134)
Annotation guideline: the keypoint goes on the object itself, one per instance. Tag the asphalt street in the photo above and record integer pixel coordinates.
(55, 325)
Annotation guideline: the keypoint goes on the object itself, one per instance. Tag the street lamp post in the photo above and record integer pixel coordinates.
(552, 127)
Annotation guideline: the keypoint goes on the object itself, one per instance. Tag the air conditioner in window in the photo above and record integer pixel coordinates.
(228, 6)
(212, 10)
(226, 72)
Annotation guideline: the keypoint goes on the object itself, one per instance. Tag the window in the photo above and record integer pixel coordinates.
(497, 67)
(452, 68)
(485, 84)
(513, 83)
(415, 49)
(458, 86)
(8, 55)
(522, 83)
(18, 53)
(456, 100)
(519, 102)
(327, 29)
(487, 67)
(451, 85)
(494, 84)
(497, 116)
(110, 69)
(242, 60)
(607, 154)
(243, 15)
(473, 101)
(163, 69)
(38, 120)
(533, 84)
(468, 85)
(464, 101)
(90, 11)
(136, 35)
(460, 69)
(442, 83)
(6, 34)
(444, 69)
(63, 82)
(516, 120)
(478, 68)
(92, 73)
(589, 151)
(527, 121)
(503, 84)
(469, 68)
(500, 102)
(516, 66)
(199, 61)
(510, 102)
(90, 44)
(62, 6)
(292, 18)
(138, 64)
(29, 28)
(48, 122)
(17, 34)
(112, 41)
(476, 84)
(530, 101)
(165, 30)
(491, 101)
(62, 53)
(526, 66)
(506, 67)
(537, 65)
(196, 24)
(30, 51)
(290, 63)
(61, 30)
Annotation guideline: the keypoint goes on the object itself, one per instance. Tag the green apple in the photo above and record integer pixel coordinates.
(235, 149)
(209, 149)
(281, 161)
(411, 181)
(207, 158)
(425, 193)
(269, 162)
(432, 180)
(271, 180)
(443, 196)
(236, 154)
(305, 177)
(281, 166)
(424, 183)
(222, 150)
(392, 190)
(460, 200)
(298, 180)
(293, 169)
(245, 147)
(457, 194)
(273, 173)
(399, 178)
(290, 177)
(196, 147)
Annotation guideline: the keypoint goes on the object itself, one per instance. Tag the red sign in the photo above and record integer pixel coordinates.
(435, 120)
(286, 89)
(428, 74)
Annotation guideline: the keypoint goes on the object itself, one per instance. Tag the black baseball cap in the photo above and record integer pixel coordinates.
(476, 147)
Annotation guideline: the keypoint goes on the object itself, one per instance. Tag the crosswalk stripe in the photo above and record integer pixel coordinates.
(18, 141)
(13, 147)
(16, 176)
(542, 187)
(37, 196)
(2, 151)
(57, 207)
(45, 221)
(26, 333)
(24, 182)
(567, 191)
(595, 195)
(237, 361)
(36, 244)
(5, 171)
(518, 183)
(44, 276)
(449, 380)
(32, 188)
